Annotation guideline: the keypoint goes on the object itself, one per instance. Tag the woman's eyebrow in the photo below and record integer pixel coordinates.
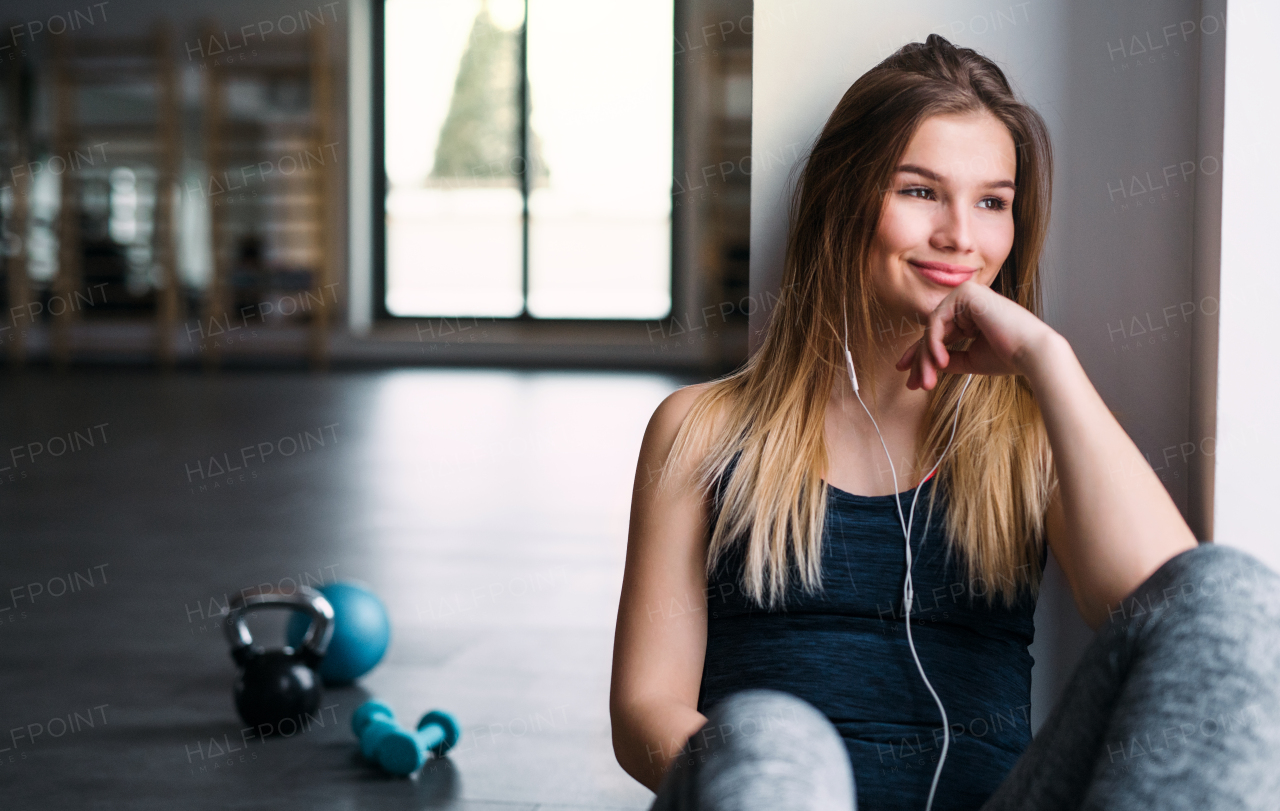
(937, 178)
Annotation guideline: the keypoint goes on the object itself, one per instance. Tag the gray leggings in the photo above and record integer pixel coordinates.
(1175, 704)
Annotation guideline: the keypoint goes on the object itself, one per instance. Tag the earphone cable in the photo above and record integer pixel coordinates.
(908, 587)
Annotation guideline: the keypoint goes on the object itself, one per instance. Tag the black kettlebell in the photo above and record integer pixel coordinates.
(279, 683)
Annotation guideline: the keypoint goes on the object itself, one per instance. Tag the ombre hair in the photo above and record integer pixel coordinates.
(770, 413)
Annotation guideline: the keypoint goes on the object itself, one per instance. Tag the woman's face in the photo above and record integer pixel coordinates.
(948, 216)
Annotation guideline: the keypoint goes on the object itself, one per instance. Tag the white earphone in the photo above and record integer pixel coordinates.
(908, 590)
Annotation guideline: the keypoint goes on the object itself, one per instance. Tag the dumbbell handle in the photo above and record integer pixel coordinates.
(378, 731)
(404, 752)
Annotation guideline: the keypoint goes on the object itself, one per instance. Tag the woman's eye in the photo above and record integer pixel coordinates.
(997, 204)
(922, 192)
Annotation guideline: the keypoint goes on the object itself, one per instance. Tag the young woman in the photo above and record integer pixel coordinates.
(792, 631)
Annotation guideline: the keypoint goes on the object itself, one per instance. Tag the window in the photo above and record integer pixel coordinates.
(528, 156)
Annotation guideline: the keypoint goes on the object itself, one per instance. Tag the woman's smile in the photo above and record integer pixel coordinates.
(943, 272)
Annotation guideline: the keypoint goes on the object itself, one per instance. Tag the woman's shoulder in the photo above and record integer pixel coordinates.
(675, 407)
(665, 426)
(682, 399)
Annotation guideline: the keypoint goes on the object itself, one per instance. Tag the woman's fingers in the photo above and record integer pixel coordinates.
(933, 355)
(939, 325)
(928, 357)
(924, 372)
(954, 318)
(905, 360)
(913, 359)
(996, 325)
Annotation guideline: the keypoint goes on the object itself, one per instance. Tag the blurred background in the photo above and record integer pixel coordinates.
(340, 183)
(386, 291)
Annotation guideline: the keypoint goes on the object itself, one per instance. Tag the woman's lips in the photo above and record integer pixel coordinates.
(943, 273)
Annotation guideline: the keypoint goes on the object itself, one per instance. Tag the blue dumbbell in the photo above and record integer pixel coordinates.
(371, 722)
(405, 752)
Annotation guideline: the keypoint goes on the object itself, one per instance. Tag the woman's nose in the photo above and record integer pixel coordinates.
(954, 231)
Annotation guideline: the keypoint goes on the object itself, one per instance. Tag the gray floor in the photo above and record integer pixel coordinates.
(487, 508)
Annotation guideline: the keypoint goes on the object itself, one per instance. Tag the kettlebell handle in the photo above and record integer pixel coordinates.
(306, 599)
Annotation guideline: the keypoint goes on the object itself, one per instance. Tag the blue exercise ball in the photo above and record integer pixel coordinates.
(361, 632)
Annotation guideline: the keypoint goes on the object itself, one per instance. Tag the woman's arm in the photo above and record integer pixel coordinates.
(1111, 523)
(661, 636)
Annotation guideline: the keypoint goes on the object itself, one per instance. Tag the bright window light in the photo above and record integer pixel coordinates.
(599, 152)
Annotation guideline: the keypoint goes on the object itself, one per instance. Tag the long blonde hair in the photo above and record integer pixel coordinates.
(771, 412)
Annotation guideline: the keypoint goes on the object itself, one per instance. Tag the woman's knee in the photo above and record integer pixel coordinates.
(770, 749)
(767, 719)
(1208, 579)
(1214, 607)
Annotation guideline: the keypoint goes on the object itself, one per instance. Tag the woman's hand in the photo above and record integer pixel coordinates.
(1004, 334)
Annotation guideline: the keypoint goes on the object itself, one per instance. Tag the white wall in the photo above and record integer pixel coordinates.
(1248, 432)
(1119, 85)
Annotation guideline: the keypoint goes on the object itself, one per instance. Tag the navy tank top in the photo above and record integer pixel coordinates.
(844, 650)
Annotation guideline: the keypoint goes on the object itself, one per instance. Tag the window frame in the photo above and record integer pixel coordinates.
(677, 273)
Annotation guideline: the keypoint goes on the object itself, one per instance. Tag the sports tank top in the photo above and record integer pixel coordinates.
(844, 650)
